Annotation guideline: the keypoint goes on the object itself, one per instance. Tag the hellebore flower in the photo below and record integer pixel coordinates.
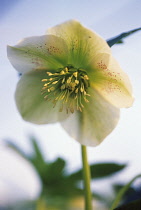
(69, 75)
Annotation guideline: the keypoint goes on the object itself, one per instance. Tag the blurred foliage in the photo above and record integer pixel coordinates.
(132, 194)
(118, 187)
(100, 170)
(59, 187)
(136, 205)
(119, 39)
(123, 192)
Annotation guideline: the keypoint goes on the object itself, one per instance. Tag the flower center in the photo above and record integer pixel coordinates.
(68, 85)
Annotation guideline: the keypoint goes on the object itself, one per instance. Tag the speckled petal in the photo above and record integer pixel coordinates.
(38, 53)
(83, 43)
(94, 123)
(107, 77)
(32, 105)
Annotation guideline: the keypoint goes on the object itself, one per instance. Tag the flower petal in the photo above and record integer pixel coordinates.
(94, 123)
(83, 44)
(110, 81)
(38, 53)
(32, 105)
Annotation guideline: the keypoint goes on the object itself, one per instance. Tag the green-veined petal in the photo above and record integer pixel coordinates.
(110, 81)
(38, 53)
(94, 123)
(32, 105)
(82, 43)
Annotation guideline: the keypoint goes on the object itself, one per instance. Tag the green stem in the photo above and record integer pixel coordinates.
(122, 192)
(86, 177)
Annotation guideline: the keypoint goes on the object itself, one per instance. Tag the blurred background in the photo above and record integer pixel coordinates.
(21, 180)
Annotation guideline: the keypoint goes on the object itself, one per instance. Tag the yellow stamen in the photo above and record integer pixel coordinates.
(63, 87)
(49, 73)
(52, 88)
(45, 97)
(76, 91)
(44, 88)
(76, 82)
(75, 74)
(69, 80)
(66, 69)
(81, 89)
(69, 86)
(63, 80)
(86, 77)
(55, 82)
(86, 100)
(62, 72)
(44, 80)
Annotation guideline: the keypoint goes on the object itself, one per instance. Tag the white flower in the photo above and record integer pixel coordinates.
(70, 75)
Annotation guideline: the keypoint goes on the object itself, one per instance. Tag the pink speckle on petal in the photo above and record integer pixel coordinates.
(101, 65)
(53, 50)
(37, 62)
(111, 78)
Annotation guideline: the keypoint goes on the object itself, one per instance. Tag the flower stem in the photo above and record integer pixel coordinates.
(86, 177)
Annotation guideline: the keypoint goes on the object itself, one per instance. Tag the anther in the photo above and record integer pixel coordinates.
(76, 91)
(86, 100)
(45, 97)
(76, 82)
(44, 88)
(75, 74)
(49, 73)
(63, 80)
(69, 80)
(72, 84)
(63, 87)
(62, 72)
(55, 82)
(81, 89)
(66, 69)
(72, 109)
(86, 77)
(52, 88)
(44, 80)
(79, 108)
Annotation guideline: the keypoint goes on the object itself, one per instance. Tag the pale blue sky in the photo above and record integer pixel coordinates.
(108, 18)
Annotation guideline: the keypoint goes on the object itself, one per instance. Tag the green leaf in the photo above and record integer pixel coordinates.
(55, 170)
(17, 149)
(100, 170)
(37, 150)
(105, 169)
(118, 39)
(37, 158)
(122, 192)
(135, 205)
(117, 187)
